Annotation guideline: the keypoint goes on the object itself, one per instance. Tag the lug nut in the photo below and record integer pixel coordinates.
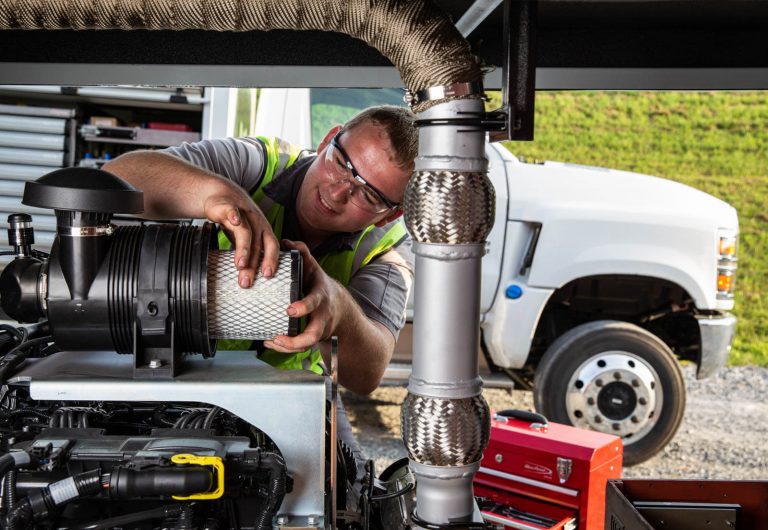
(599, 382)
(635, 383)
(642, 401)
(617, 376)
(616, 426)
(590, 401)
(598, 419)
(635, 419)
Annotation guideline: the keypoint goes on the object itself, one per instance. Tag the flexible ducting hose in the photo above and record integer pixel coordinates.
(418, 38)
(275, 491)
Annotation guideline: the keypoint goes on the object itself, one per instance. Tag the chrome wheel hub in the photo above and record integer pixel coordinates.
(615, 392)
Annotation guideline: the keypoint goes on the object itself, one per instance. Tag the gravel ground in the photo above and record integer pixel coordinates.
(724, 434)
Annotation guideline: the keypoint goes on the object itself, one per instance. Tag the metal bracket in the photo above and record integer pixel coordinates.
(518, 72)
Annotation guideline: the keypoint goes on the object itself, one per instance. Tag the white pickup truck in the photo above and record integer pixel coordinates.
(596, 282)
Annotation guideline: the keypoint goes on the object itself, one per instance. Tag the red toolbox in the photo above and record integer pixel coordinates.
(536, 475)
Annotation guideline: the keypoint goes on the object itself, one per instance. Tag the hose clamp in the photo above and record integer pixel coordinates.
(86, 231)
(443, 92)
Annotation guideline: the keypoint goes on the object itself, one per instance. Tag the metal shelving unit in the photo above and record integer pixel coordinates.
(34, 140)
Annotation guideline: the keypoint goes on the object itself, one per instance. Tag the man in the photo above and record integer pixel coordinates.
(336, 208)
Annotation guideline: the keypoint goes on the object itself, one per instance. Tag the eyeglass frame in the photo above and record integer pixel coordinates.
(356, 175)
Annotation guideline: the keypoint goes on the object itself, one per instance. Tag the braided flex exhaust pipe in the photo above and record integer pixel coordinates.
(449, 211)
(449, 204)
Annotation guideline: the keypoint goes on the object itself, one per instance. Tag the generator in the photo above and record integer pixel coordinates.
(116, 412)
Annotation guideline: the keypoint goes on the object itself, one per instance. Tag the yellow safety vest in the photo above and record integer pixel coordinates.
(339, 265)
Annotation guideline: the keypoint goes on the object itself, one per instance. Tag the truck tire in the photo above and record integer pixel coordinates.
(616, 378)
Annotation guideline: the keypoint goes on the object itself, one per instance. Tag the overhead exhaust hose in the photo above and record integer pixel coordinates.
(417, 37)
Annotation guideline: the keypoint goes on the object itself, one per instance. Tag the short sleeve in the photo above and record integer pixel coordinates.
(240, 160)
(381, 288)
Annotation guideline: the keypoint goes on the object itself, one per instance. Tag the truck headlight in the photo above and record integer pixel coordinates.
(727, 264)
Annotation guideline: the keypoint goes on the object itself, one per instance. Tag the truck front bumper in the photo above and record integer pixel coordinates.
(716, 338)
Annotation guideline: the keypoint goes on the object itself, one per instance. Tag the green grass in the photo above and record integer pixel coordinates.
(714, 141)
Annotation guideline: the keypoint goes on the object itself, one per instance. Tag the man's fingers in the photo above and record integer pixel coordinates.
(295, 344)
(305, 306)
(271, 250)
(246, 253)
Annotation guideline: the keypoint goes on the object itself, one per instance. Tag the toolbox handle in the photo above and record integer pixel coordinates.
(537, 421)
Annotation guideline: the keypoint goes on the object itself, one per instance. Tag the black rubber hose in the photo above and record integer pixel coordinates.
(20, 518)
(88, 483)
(275, 491)
(170, 510)
(29, 412)
(18, 355)
(10, 495)
(7, 463)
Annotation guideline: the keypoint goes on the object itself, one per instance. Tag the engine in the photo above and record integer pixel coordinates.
(115, 411)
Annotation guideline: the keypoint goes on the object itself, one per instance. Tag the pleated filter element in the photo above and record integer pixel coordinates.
(257, 313)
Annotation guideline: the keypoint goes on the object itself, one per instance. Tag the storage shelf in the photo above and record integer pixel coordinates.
(136, 136)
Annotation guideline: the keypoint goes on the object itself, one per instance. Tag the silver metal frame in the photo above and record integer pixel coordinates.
(288, 406)
(277, 76)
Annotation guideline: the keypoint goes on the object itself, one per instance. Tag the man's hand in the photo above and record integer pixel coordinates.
(246, 226)
(319, 305)
(365, 346)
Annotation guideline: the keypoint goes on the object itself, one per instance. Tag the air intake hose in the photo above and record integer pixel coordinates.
(418, 38)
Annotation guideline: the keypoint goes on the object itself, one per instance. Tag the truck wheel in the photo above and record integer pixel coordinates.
(616, 378)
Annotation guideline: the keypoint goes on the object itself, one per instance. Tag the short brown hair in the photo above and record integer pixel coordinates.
(398, 123)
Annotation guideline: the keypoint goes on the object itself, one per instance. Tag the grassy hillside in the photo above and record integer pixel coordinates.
(716, 142)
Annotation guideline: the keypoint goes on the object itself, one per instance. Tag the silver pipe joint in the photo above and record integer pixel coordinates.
(443, 491)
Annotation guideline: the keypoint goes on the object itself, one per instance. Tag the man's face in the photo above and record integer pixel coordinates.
(324, 203)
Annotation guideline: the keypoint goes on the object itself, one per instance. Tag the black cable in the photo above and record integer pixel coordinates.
(198, 423)
(12, 337)
(368, 494)
(399, 493)
(18, 355)
(208, 423)
(169, 510)
(31, 342)
(13, 330)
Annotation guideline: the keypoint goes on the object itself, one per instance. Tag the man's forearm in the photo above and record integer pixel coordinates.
(172, 187)
(175, 189)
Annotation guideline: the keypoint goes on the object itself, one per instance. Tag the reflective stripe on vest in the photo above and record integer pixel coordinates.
(280, 155)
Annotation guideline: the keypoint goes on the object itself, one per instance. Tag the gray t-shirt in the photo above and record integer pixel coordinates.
(380, 288)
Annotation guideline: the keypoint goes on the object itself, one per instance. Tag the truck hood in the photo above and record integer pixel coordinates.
(539, 191)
